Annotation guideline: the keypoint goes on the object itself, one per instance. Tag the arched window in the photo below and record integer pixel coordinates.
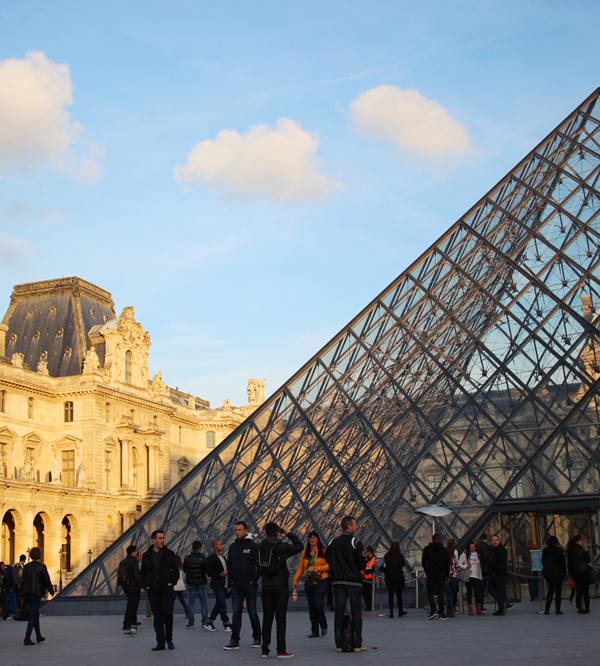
(210, 440)
(66, 544)
(68, 412)
(38, 533)
(135, 461)
(8, 537)
(29, 408)
(128, 366)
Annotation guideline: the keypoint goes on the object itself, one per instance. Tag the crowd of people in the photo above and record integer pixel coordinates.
(344, 567)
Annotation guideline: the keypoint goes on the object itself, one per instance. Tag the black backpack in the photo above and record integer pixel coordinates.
(268, 560)
(123, 574)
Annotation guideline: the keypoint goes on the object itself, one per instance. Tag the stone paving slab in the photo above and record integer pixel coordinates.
(521, 636)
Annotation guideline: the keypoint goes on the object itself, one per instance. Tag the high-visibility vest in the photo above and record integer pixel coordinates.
(368, 572)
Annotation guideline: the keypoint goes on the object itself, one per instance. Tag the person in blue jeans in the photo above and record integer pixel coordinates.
(451, 586)
(243, 575)
(313, 562)
(346, 560)
(194, 567)
(216, 570)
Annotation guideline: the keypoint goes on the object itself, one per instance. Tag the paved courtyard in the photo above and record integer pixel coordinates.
(521, 637)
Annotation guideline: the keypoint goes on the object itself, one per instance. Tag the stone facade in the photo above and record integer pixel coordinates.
(83, 455)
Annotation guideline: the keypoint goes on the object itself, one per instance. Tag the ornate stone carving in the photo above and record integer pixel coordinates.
(130, 329)
(192, 402)
(227, 403)
(256, 391)
(81, 476)
(158, 388)
(92, 362)
(59, 509)
(17, 360)
(42, 368)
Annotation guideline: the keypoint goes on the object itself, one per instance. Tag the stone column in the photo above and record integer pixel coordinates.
(125, 458)
(152, 462)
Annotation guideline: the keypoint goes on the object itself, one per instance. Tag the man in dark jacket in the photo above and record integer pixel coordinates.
(272, 554)
(159, 574)
(216, 569)
(243, 576)
(497, 570)
(346, 560)
(436, 565)
(194, 567)
(132, 591)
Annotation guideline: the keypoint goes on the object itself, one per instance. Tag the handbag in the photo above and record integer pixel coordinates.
(464, 575)
(314, 579)
(591, 576)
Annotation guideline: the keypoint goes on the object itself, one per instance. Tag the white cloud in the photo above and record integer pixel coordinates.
(411, 121)
(34, 125)
(13, 249)
(277, 163)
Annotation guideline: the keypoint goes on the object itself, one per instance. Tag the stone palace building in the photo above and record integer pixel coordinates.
(88, 442)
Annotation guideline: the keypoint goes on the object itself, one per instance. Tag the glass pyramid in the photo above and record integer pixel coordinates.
(472, 379)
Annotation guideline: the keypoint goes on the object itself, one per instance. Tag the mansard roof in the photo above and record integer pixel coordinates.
(50, 320)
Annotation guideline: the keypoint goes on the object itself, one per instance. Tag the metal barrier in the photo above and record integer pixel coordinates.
(381, 577)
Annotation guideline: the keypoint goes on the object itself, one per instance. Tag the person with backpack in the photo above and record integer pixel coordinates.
(243, 577)
(272, 556)
(18, 574)
(128, 577)
(194, 567)
(346, 560)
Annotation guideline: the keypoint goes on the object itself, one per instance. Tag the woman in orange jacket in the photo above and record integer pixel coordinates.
(313, 562)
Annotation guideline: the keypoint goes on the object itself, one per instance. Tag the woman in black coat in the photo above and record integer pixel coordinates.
(36, 582)
(393, 562)
(554, 570)
(580, 571)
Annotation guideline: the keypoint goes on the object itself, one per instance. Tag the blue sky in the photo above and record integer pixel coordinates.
(250, 175)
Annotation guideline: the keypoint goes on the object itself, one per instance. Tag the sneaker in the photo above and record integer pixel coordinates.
(147, 618)
(443, 617)
(509, 606)
(227, 626)
(264, 655)
(284, 655)
(362, 648)
(130, 632)
(339, 650)
(190, 625)
(232, 645)
(170, 645)
(256, 643)
(209, 625)
(432, 616)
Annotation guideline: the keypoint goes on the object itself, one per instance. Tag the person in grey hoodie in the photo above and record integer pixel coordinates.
(272, 554)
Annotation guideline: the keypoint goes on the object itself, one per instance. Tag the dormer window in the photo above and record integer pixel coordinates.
(128, 366)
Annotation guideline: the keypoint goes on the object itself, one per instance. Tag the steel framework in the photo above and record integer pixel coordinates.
(472, 378)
